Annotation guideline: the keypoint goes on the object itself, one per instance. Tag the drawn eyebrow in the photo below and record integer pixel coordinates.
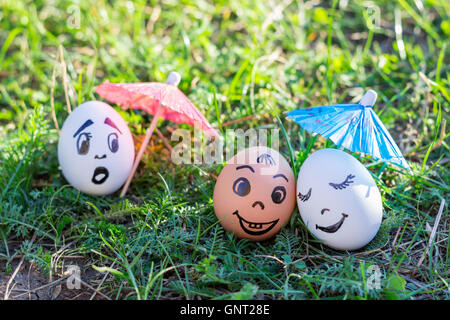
(83, 126)
(245, 167)
(109, 122)
(280, 175)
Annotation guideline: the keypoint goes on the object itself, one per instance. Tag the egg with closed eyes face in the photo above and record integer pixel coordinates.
(338, 200)
(95, 149)
(254, 195)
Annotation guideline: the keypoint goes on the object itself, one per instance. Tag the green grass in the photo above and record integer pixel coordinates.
(236, 59)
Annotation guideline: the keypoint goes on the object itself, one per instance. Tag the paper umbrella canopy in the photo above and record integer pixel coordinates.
(355, 127)
(162, 100)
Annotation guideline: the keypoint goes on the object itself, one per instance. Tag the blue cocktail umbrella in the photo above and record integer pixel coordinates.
(355, 127)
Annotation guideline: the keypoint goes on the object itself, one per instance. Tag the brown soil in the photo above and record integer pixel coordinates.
(29, 283)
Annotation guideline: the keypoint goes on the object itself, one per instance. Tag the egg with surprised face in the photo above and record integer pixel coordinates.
(254, 195)
(95, 149)
(338, 200)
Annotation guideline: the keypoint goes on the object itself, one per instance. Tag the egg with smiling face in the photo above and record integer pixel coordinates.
(95, 149)
(254, 195)
(338, 200)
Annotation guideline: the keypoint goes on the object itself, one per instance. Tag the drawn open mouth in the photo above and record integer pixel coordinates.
(334, 227)
(255, 228)
(100, 175)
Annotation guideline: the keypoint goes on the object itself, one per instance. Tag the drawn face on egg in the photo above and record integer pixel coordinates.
(254, 195)
(95, 149)
(338, 200)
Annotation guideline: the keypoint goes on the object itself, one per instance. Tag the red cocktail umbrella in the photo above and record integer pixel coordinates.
(162, 100)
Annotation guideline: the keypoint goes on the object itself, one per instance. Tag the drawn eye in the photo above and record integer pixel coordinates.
(304, 197)
(343, 185)
(83, 143)
(279, 194)
(241, 187)
(113, 142)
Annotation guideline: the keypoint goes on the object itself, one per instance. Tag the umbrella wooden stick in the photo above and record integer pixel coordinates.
(173, 79)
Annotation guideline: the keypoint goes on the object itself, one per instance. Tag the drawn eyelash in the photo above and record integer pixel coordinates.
(343, 185)
(306, 196)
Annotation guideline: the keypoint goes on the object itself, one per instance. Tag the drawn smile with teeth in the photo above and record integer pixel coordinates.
(259, 228)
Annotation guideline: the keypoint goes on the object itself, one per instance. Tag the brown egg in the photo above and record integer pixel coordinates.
(254, 194)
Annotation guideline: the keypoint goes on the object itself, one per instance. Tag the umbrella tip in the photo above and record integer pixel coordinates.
(174, 78)
(369, 98)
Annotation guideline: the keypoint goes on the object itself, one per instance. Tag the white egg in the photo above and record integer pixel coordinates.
(95, 149)
(338, 200)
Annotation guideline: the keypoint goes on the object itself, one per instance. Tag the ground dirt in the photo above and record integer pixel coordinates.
(29, 283)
